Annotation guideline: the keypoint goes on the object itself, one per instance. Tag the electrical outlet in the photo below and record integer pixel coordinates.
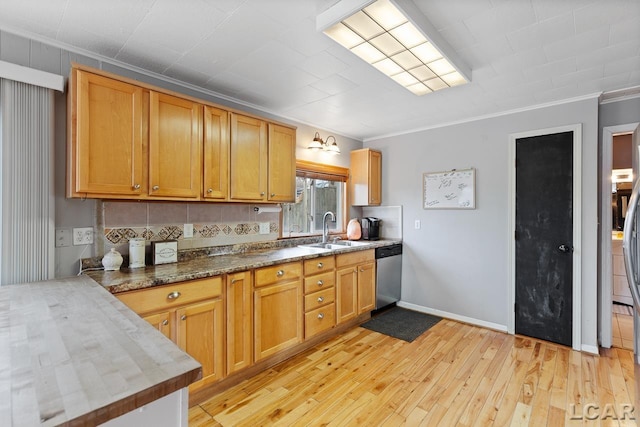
(417, 224)
(63, 237)
(188, 231)
(83, 236)
(264, 228)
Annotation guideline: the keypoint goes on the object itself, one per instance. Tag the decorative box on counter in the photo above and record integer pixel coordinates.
(164, 252)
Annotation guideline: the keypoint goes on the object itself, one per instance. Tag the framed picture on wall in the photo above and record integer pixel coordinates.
(454, 189)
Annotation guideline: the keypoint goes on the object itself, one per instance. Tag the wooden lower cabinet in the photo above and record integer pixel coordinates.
(191, 314)
(200, 333)
(319, 295)
(239, 292)
(278, 318)
(355, 284)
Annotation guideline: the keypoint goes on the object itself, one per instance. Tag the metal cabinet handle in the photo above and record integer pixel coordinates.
(280, 273)
(173, 295)
(183, 317)
(320, 282)
(565, 248)
(155, 188)
(273, 194)
(210, 190)
(320, 316)
(320, 299)
(262, 193)
(320, 265)
(165, 322)
(233, 281)
(136, 186)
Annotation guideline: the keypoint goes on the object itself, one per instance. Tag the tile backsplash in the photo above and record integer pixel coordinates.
(214, 224)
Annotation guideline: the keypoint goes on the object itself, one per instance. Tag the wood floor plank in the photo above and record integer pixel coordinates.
(454, 374)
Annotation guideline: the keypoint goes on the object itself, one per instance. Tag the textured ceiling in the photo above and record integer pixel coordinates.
(268, 54)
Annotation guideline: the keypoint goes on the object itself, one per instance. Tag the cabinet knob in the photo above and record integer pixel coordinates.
(280, 273)
(155, 188)
(136, 186)
(233, 281)
(209, 190)
(273, 194)
(165, 322)
(183, 317)
(320, 299)
(362, 270)
(320, 282)
(320, 265)
(173, 295)
(262, 193)
(320, 316)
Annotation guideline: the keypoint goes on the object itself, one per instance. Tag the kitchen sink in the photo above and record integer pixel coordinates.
(340, 244)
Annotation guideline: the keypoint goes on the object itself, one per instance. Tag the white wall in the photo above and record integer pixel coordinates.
(458, 261)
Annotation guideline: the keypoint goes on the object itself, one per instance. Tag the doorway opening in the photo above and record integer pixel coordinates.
(614, 296)
(621, 185)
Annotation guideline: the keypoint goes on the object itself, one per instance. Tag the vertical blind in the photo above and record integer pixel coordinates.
(26, 193)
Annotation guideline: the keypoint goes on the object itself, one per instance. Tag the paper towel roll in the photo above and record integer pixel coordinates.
(267, 209)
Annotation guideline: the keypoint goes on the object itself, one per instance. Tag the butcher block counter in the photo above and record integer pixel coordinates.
(72, 354)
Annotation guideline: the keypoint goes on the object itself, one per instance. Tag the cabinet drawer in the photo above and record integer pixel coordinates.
(319, 265)
(319, 281)
(174, 295)
(319, 320)
(355, 257)
(278, 273)
(318, 299)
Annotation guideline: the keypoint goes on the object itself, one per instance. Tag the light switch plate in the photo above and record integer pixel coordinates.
(63, 237)
(188, 230)
(264, 228)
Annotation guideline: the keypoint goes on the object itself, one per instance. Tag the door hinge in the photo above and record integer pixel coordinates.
(515, 307)
(515, 235)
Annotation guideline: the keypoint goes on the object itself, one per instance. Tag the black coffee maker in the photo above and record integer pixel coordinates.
(371, 228)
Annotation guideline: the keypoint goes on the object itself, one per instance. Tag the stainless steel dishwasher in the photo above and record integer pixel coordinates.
(388, 275)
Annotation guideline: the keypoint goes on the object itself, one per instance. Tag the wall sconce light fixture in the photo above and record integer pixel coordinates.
(318, 144)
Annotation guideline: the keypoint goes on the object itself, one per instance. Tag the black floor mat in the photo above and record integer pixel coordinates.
(401, 323)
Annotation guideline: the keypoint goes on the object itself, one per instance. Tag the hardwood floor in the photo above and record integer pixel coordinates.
(454, 374)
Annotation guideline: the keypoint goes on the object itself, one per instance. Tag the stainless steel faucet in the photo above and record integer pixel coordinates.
(325, 227)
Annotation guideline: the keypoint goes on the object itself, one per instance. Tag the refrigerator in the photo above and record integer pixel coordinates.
(631, 250)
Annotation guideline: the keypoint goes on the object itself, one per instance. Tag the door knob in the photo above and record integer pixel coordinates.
(565, 248)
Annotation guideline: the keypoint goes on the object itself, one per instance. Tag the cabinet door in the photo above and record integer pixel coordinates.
(216, 153)
(161, 321)
(366, 287)
(239, 322)
(200, 332)
(248, 174)
(282, 164)
(175, 144)
(107, 136)
(375, 177)
(346, 293)
(278, 318)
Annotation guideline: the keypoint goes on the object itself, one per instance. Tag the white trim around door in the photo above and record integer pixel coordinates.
(606, 268)
(577, 226)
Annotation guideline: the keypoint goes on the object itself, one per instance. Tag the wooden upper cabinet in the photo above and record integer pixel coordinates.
(106, 144)
(365, 185)
(216, 154)
(175, 141)
(282, 164)
(248, 174)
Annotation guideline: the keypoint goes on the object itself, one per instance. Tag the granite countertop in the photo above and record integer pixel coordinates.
(131, 279)
(72, 354)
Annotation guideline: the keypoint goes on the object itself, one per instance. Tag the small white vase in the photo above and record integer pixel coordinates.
(112, 260)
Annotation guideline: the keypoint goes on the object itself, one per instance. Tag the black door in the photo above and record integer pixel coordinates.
(544, 234)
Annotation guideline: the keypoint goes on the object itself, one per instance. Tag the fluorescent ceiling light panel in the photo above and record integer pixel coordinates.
(396, 38)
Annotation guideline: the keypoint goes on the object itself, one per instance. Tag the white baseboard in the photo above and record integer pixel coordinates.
(589, 349)
(452, 316)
